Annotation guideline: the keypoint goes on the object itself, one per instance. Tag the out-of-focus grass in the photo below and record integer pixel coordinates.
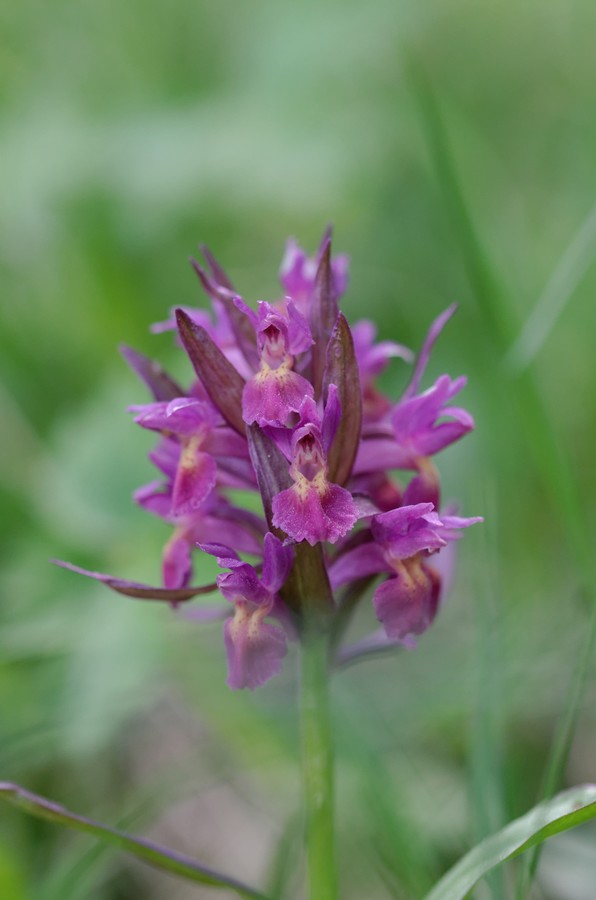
(130, 132)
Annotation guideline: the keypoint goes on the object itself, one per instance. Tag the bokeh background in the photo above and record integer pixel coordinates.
(453, 146)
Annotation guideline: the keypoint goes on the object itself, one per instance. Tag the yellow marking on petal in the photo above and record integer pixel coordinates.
(303, 486)
(410, 571)
(280, 373)
(256, 619)
(247, 619)
(189, 452)
(321, 482)
(240, 618)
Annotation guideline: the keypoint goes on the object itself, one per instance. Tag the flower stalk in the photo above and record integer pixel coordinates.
(318, 766)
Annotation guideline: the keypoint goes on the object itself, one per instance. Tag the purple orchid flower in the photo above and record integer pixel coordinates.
(285, 403)
(314, 509)
(191, 421)
(407, 603)
(276, 390)
(423, 425)
(298, 272)
(402, 539)
(200, 438)
(255, 649)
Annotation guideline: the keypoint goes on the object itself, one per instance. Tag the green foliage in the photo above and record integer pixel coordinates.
(169, 861)
(571, 808)
(132, 131)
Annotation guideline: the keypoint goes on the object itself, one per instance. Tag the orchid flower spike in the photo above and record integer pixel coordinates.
(282, 402)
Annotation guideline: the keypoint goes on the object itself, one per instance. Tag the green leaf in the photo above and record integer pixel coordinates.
(566, 277)
(564, 811)
(544, 441)
(159, 857)
(562, 742)
(285, 865)
(12, 879)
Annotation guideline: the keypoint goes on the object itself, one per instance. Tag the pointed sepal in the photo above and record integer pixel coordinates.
(218, 273)
(240, 324)
(342, 370)
(151, 373)
(218, 376)
(140, 591)
(323, 314)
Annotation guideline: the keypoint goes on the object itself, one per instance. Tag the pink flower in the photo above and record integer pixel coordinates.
(255, 649)
(314, 509)
(276, 390)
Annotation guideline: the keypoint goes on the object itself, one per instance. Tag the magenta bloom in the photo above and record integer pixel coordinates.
(255, 648)
(314, 509)
(423, 425)
(402, 540)
(298, 272)
(407, 603)
(276, 390)
(191, 422)
(282, 402)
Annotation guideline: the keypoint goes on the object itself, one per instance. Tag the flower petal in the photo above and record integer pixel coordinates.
(242, 582)
(366, 559)
(272, 395)
(306, 513)
(421, 362)
(195, 479)
(176, 563)
(255, 650)
(409, 530)
(277, 562)
(406, 604)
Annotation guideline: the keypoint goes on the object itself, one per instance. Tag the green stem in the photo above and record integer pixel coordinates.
(317, 766)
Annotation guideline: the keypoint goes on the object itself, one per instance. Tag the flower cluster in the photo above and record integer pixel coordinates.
(284, 403)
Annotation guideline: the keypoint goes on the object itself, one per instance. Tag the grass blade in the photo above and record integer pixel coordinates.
(567, 275)
(566, 810)
(561, 745)
(486, 739)
(543, 441)
(159, 857)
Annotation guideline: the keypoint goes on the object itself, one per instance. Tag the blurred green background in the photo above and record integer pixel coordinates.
(452, 144)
